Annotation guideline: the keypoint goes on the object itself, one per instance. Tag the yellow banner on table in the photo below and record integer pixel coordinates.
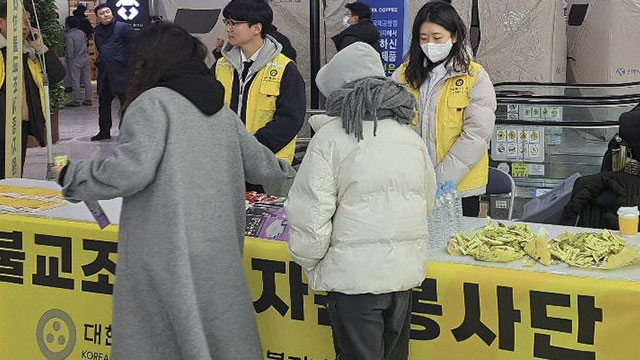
(14, 82)
(56, 280)
(459, 312)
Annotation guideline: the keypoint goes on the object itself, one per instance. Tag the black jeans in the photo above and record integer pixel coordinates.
(25, 133)
(105, 97)
(370, 327)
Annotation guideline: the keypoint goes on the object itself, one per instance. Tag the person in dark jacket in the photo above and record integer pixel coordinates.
(595, 199)
(33, 120)
(83, 22)
(287, 49)
(357, 18)
(112, 38)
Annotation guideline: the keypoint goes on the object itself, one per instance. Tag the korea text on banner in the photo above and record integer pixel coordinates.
(14, 82)
(390, 17)
(56, 281)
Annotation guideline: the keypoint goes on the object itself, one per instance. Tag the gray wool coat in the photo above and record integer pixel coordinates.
(180, 290)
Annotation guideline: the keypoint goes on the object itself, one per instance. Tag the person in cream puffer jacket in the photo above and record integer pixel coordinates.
(358, 207)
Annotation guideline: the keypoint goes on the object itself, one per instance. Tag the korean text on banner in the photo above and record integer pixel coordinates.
(460, 312)
(59, 276)
(14, 82)
(390, 17)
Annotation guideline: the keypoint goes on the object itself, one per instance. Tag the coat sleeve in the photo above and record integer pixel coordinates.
(310, 208)
(291, 107)
(260, 164)
(477, 129)
(132, 166)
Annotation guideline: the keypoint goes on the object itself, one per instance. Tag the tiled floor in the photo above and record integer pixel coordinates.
(77, 126)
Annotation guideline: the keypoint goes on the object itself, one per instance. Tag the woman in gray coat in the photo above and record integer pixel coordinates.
(181, 164)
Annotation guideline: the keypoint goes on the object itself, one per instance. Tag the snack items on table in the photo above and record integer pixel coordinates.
(502, 243)
(592, 250)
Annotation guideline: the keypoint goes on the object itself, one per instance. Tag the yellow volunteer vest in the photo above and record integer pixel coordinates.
(262, 95)
(450, 108)
(36, 73)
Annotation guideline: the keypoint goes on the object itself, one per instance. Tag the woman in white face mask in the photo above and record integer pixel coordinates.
(456, 101)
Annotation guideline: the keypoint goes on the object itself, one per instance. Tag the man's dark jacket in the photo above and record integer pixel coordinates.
(112, 42)
(287, 48)
(364, 31)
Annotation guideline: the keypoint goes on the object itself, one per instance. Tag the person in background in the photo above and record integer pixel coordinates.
(180, 289)
(359, 204)
(155, 19)
(112, 38)
(456, 101)
(357, 20)
(77, 60)
(287, 49)
(261, 85)
(83, 22)
(33, 106)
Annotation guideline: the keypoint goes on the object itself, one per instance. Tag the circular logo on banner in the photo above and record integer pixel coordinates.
(459, 82)
(273, 72)
(56, 335)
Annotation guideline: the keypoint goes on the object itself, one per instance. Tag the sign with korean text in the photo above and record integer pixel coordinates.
(14, 82)
(56, 280)
(460, 312)
(390, 17)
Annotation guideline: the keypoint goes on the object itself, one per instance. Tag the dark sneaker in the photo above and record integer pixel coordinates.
(87, 103)
(100, 137)
(73, 104)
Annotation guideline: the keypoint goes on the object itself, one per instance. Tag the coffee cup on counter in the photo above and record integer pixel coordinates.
(628, 220)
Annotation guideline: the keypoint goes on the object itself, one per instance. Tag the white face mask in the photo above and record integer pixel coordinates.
(437, 52)
(345, 21)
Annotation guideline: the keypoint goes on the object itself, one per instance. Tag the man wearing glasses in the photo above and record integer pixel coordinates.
(262, 85)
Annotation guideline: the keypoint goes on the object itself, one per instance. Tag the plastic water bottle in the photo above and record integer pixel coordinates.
(447, 214)
(456, 211)
(435, 223)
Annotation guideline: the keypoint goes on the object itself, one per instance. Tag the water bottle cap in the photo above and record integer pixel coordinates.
(448, 186)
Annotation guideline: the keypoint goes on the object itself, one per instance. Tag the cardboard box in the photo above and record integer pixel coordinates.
(523, 40)
(604, 49)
